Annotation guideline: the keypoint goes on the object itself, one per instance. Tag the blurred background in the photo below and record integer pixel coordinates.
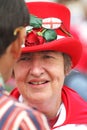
(77, 79)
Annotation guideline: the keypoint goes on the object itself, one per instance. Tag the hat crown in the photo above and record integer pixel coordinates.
(50, 9)
(44, 30)
(39, 39)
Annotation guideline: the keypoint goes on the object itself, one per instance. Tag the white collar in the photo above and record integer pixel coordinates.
(62, 115)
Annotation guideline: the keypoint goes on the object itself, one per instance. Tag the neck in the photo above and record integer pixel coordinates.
(49, 108)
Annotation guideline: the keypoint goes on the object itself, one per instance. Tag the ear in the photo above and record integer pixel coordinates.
(16, 45)
(15, 49)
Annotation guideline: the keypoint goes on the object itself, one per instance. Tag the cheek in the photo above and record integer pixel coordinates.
(20, 78)
(58, 71)
(58, 75)
(20, 84)
(19, 73)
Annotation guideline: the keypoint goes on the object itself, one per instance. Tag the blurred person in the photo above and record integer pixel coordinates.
(78, 28)
(77, 78)
(14, 16)
(78, 82)
(40, 0)
(82, 34)
(50, 52)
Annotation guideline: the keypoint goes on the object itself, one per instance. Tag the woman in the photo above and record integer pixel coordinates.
(47, 57)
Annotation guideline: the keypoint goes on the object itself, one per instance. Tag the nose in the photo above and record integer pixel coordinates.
(36, 68)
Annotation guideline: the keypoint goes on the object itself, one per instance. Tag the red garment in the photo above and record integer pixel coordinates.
(76, 107)
(53, 121)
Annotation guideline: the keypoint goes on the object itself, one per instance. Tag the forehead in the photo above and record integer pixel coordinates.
(41, 52)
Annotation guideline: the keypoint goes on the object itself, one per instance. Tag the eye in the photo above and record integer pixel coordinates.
(24, 59)
(48, 56)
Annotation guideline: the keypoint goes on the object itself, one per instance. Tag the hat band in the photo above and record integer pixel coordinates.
(27, 43)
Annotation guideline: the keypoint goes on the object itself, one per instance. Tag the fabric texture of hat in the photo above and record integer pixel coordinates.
(50, 30)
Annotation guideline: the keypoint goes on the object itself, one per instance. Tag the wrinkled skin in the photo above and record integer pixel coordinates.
(39, 77)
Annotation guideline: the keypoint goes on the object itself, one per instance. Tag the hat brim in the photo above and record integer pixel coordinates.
(67, 45)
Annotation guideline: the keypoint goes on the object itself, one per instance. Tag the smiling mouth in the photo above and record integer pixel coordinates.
(38, 83)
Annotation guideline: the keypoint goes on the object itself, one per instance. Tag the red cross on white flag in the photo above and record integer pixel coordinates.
(51, 23)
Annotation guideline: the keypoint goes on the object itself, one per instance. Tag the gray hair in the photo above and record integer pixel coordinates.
(67, 63)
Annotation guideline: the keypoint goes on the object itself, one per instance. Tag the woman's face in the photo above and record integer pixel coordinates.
(40, 76)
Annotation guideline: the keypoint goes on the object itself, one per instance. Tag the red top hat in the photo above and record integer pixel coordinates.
(50, 30)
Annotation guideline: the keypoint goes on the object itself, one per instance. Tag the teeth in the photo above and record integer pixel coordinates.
(37, 83)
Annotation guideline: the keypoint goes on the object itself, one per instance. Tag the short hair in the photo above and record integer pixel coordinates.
(13, 14)
(67, 63)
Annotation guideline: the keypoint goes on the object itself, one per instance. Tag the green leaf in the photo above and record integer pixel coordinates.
(50, 35)
(35, 22)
